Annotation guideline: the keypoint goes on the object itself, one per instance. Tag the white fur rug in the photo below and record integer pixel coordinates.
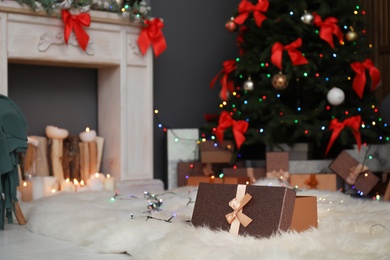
(349, 228)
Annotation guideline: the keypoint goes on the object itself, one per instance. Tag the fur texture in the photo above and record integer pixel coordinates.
(349, 228)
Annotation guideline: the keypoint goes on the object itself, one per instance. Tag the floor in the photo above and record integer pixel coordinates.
(17, 243)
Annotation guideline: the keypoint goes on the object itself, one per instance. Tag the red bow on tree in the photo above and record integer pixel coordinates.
(76, 23)
(296, 56)
(360, 79)
(151, 34)
(228, 67)
(246, 7)
(353, 122)
(239, 128)
(328, 28)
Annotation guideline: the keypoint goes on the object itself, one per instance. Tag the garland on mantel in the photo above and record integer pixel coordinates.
(138, 11)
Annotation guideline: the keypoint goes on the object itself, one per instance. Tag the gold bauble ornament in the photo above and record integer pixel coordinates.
(249, 85)
(230, 25)
(351, 36)
(279, 81)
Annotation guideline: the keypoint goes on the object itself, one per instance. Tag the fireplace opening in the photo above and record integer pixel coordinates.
(65, 97)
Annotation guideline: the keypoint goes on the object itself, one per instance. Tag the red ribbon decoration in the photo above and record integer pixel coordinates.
(328, 28)
(353, 122)
(227, 85)
(151, 34)
(246, 7)
(76, 23)
(296, 56)
(239, 128)
(360, 79)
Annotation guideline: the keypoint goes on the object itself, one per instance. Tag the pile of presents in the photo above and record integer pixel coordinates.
(344, 173)
(234, 206)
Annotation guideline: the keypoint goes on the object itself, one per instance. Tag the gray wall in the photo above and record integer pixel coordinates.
(198, 43)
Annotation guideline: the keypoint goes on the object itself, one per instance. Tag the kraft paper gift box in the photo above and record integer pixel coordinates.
(277, 165)
(213, 152)
(305, 214)
(195, 180)
(258, 211)
(253, 174)
(354, 173)
(319, 181)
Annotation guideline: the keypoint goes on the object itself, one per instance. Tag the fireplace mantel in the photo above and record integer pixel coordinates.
(125, 83)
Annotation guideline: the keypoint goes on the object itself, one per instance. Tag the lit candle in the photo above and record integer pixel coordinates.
(95, 182)
(38, 190)
(54, 132)
(81, 186)
(109, 183)
(50, 185)
(67, 185)
(88, 135)
(26, 189)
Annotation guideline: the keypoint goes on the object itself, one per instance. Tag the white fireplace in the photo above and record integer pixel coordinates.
(125, 86)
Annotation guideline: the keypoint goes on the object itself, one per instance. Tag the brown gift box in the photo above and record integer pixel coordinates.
(270, 208)
(305, 213)
(212, 152)
(320, 181)
(195, 180)
(277, 165)
(253, 174)
(354, 173)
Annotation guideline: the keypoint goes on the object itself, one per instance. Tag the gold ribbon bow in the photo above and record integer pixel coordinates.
(237, 211)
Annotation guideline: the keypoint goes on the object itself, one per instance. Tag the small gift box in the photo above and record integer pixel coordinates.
(277, 165)
(305, 213)
(188, 169)
(195, 180)
(297, 151)
(253, 174)
(320, 181)
(213, 152)
(354, 173)
(259, 211)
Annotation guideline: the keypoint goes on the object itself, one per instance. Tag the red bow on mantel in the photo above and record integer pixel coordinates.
(328, 27)
(296, 56)
(246, 7)
(227, 85)
(239, 128)
(360, 79)
(76, 23)
(353, 122)
(151, 34)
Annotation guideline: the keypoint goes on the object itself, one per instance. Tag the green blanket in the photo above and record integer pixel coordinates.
(13, 140)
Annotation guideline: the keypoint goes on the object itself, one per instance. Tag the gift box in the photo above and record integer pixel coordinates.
(195, 180)
(305, 213)
(321, 181)
(258, 211)
(213, 152)
(354, 173)
(253, 174)
(277, 165)
(297, 151)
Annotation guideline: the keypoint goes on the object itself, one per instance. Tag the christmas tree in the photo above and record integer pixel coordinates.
(303, 74)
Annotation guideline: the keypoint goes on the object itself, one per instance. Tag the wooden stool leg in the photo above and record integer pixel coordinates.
(19, 214)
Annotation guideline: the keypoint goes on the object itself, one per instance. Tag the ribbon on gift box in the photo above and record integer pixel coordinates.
(284, 175)
(354, 173)
(312, 182)
(237, 218)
